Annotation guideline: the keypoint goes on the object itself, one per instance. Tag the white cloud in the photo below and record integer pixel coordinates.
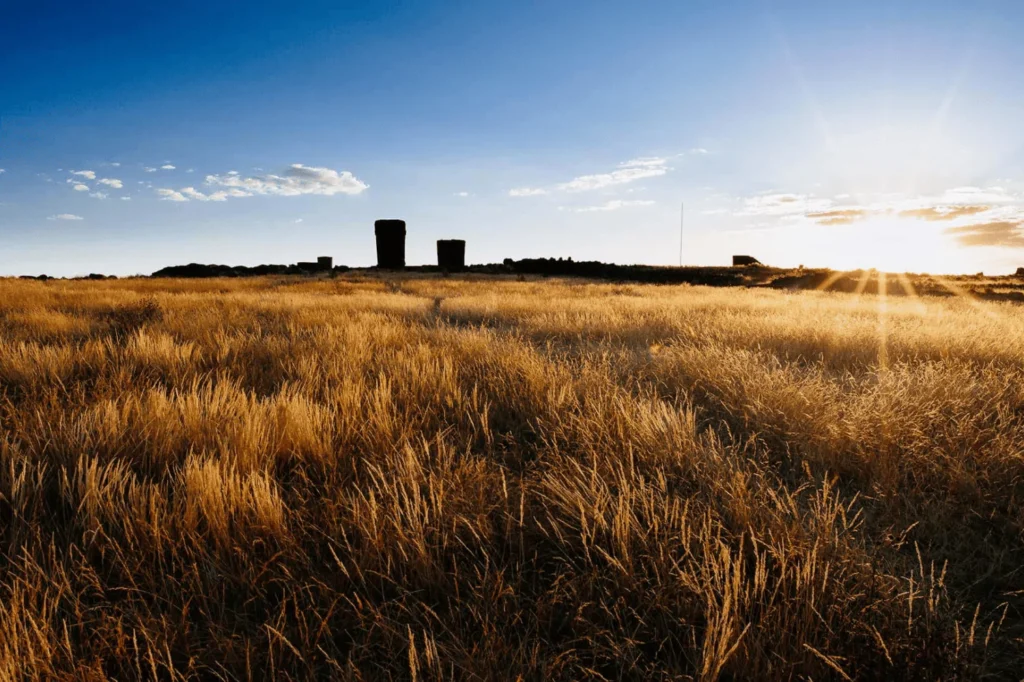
(977, 195)
(951, 207)
(297, 221)
(65, 216)
(644, 162)
(191, 193)
(630, 171)
(698, 151)
(111, 182)
(116, 164)
(462, 194)
(150, 170)
(296, 181)
(191, 170)
(98, 195)
(126, 198)
(87, 174)
(2, 171)
(167, 166)
(170, 195)
(782, 205)
(79, 187)
(612, 205)
(526, 192)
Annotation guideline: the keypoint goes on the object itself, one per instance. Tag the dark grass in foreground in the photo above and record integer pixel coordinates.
(435, 479)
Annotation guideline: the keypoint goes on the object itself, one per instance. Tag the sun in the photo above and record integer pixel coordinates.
(884, 242)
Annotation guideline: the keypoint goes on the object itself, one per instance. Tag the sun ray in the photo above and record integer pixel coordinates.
(830, 280)
(971, 299)
(797, 72)
(862, 283)
(911, 292)
(883, 322)
(1014, 323)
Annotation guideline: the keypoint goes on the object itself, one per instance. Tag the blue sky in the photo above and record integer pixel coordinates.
(855, 134)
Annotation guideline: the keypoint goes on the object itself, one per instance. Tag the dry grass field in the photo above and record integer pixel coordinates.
(432, 478)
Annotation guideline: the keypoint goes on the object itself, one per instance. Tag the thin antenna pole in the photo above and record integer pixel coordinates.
(682, 207)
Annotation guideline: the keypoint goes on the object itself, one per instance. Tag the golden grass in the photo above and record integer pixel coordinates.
(481, 478)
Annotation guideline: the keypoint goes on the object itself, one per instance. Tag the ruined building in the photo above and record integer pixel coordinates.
(390, 244)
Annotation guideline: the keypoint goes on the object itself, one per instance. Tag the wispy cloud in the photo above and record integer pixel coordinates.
(65, 216)
(2, 171)
(150, 169)
(98, 195)
(840, 216)
(990, 216)
(783, 205)
(997, 233)
(613, 205)
(944, 212)
(977, 195)
(629, 171)
(167, 166)
(111, 182)
(87, 174)
(644, 162)
(527, 192)
(462, 194)
(297, 180)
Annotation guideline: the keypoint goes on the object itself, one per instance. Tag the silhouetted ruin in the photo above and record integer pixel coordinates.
(451, 254)
(390, 244)
(196, 270)
(322, 264)
(451, 257)
(745, 260)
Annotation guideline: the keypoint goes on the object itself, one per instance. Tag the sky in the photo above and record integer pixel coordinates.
(870, 134)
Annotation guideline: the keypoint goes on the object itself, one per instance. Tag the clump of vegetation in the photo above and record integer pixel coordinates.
(127, 318)
(551, 480)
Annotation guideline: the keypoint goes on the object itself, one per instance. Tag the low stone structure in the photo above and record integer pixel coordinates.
(745, 260)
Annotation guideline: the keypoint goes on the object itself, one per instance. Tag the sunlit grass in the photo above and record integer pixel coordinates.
(446, 478)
